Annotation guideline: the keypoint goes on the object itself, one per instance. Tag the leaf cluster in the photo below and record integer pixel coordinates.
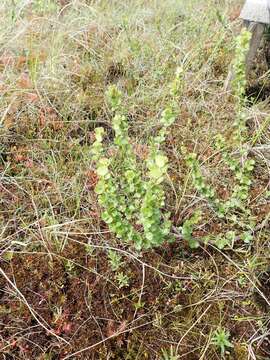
(131, 193)
(235, 209)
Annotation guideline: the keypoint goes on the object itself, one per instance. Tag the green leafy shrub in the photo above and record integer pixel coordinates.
(188, 228)
(130, 192)
(235, 209)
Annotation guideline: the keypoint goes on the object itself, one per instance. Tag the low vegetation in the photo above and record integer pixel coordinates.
(134, 190)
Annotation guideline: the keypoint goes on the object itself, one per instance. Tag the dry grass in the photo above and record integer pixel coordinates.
(58, 293)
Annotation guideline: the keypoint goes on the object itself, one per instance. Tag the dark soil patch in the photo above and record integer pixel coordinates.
(85, 303)
(114, 72)
(80, 300)
(258, 92)
(264, 287)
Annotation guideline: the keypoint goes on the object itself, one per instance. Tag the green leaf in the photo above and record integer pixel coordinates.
(99, 132)
(161, 161)
(167, 117)
(102, 170)
(8, 255)
(230, 235)
(221, 242)
(194, 244)
(247, 237)
(156, 172)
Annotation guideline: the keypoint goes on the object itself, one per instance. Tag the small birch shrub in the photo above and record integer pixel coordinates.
(131, 193)
(235, 209)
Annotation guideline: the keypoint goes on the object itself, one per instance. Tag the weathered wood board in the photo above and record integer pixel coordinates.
(256, 15)
(256, 11)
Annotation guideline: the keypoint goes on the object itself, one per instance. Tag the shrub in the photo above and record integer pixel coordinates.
(130, 192)
(241, 166)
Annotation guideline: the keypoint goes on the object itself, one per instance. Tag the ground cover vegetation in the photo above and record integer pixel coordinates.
(134, 190)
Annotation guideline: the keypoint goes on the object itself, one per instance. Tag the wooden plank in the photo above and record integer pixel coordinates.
(256, 11)
(257, 30)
